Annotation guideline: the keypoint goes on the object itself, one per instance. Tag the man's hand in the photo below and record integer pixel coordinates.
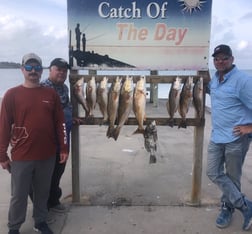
(77, 121)
(6, 165)
(241, 130)
(63, 157)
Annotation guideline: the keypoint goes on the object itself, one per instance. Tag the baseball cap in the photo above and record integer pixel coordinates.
(224, 49)
(59, 62)
(31, 56)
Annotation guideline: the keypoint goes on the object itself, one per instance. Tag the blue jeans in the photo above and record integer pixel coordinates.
(224, 168)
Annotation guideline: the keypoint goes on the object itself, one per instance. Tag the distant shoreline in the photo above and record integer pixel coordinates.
(8, 65)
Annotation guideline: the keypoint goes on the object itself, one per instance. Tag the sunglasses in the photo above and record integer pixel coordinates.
(29, 68)
(221, 59)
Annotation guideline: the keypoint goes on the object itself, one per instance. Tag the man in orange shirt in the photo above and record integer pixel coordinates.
(32, 122)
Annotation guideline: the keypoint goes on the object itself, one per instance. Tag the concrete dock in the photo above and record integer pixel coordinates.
(121, 193)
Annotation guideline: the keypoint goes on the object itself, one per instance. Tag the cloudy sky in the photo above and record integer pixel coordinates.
(41, 26)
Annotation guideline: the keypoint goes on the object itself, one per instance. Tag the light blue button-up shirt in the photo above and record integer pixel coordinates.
(231, 104)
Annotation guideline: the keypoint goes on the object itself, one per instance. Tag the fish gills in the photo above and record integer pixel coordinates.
(185, 100)
(113, 103)
(125, 104)
(78, 92)
(102, 98)
(139, 104)
(173, 100)
(198, 97)
(91, 95)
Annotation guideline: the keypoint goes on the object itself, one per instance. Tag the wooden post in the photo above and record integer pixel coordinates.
(151, 93)
(197, 165)
(198, 151)
(75, 149)
(154, 91)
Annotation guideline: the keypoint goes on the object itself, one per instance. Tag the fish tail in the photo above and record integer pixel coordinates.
(171, 122)
(182, 124)
(116, 132)
(89, 119)
(153, 159)
(139, 131)
(110, 131)
(104, 122)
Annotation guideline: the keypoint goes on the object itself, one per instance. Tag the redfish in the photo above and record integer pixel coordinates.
(78, 92)
(185, 100)
(173, 100)
(125, 104)
(198, 98)
(113, 104)
(91, 96)
(139, 104)
(102, 98)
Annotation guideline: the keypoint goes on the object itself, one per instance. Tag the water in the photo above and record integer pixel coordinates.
(13, 77)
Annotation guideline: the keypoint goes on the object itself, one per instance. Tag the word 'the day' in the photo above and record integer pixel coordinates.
(127, 31)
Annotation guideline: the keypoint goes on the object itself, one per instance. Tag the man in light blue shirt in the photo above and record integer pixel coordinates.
(231, 109)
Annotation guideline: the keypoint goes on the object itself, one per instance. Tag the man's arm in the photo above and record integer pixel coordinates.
(5, 130)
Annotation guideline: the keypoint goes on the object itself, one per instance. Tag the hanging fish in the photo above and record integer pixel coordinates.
(150, 140)
(113, 104)
(185, 100)
(78, 93)
(125, 104)
(91, 96)
(102, 98)
(198, 98)
(173, 100)
(139, 103)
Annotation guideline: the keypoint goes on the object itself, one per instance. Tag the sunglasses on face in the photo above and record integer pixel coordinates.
(29, 68)
(217, 59)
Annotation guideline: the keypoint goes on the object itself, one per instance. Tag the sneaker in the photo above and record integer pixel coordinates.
(247, 214)
(224, 218)
(60, 208)
(42, 228)
(11, 231)
(50, 220)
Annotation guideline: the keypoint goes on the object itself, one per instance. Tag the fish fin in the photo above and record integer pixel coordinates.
(85, 107)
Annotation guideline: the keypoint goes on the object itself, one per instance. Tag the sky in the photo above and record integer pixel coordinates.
(41, 26)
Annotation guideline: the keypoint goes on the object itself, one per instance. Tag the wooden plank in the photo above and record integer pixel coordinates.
(155, 79)
(159, 121)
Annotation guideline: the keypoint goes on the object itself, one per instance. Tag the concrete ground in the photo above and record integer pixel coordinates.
(122, 193)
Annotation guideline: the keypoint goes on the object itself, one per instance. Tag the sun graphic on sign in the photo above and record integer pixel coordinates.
(191, 5)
